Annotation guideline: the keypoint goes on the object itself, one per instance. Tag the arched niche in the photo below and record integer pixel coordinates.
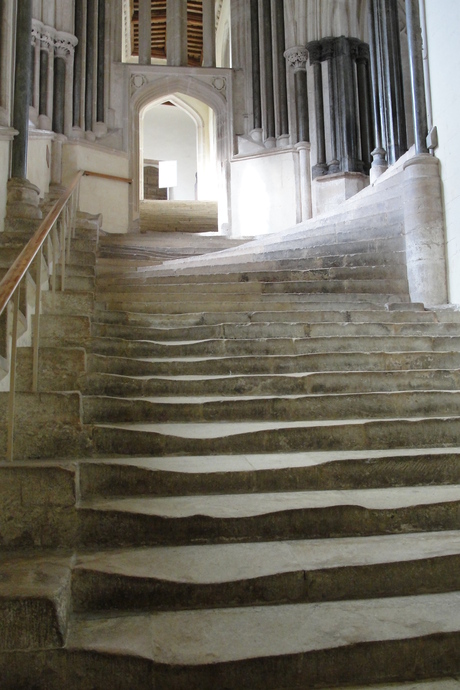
(149, 88)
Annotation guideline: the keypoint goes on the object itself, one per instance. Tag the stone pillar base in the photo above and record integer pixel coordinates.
(333, 190)
(23, 200)
(424, 231)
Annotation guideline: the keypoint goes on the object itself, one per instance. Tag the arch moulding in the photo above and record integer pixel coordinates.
(210, 86)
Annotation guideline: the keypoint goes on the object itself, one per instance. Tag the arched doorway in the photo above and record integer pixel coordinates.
(206, 103)
(182, 129)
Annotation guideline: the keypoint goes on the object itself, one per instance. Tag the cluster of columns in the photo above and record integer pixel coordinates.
(176, 33)
(387, 79)
(350, 118)
(269, 84)
(89, 69)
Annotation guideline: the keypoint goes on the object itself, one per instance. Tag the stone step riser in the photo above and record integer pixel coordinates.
(304, 408)
(112, 528)
(370, 662)
(282, 364)
(394, 259)
(245, 291)
(372, 435)
(268, 303)
(226, 279)
(274, 346)
(326, 315)
(274, 330)
(107, 479)
(99, 591)
(70, 303)
(76, 283)
(334, 382)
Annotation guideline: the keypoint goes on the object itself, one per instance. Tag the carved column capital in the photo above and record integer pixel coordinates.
(297, 57)
(315, 51)
(48, 38)
(64, 45)
(37, 29)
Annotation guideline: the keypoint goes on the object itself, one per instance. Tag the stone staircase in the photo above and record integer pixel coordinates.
(268, 491)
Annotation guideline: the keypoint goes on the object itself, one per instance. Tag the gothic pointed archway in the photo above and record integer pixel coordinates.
(149, 87)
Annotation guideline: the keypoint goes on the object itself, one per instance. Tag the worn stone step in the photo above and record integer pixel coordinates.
(316, 407)
(64, 330)
(268, 303)
(351, 313)
(245, 291)
(72, 303)
(60, 368)
(254, 437)
(34, 601)
(289, 384)
(144, 278)
(82, 258)
(76, 283)
(334, 470)
(278, 329)
(47, 425)
(327, 314)
(114, 522)
(273, 346)
(394, 258)
(273, 364)
(77, 270)
(290, 646)
(230, 575)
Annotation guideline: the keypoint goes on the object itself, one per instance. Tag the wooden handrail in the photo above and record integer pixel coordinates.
(25, 259)
(104, 176)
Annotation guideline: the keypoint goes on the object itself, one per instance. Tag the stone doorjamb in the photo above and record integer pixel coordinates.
(212, 86)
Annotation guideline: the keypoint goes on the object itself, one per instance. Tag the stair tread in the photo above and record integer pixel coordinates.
(246, 505)
(216, 430)
(265, 461)
(192, 638)
(219, 563)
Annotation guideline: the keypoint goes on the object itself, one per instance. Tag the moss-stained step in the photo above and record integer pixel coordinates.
(299, 383)
(268, 437)
(229, 474)
(227, 575)
(145, 521)
(316, 407)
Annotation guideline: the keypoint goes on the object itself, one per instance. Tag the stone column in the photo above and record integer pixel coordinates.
(145, 32)
(414, 35)
(255, 51)
(35, 90)
(100, 106)
(22, 84)
(90, 61)
(315, 52)
(176, 33)
(379, 164)
(269, 97)
(23, 197)
(362, 63)
(327, 47)
(209, 33)
(277, 8)
(79, 68)
(297, 57)
(347, 100)
(393, 84)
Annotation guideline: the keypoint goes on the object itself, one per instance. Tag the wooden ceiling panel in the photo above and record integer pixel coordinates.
(158, 30)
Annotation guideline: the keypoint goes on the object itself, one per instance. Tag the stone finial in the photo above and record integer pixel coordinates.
(297, 57)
